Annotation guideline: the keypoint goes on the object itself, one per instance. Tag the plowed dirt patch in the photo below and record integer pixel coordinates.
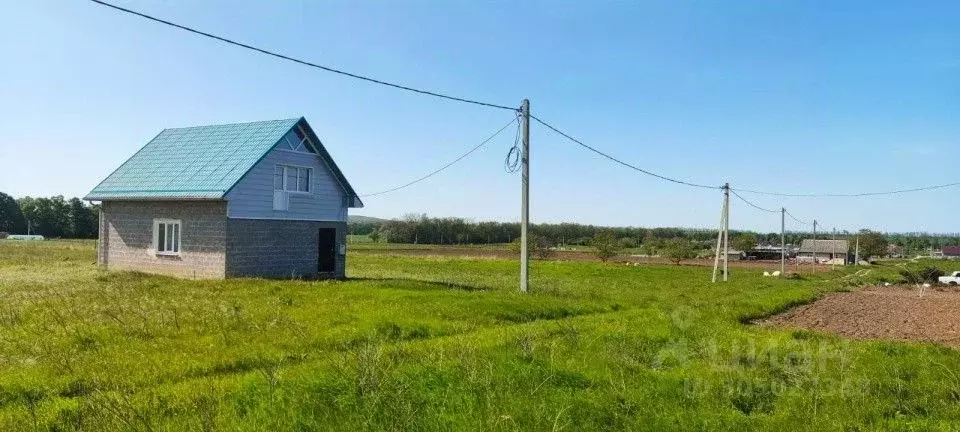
(881, 313)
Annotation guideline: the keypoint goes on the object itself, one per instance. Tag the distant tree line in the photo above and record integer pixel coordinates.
(50, 217)
(420, 228)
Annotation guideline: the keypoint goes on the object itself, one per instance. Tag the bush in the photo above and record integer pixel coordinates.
(677, 250)
(606, 245)
(538, 246)
(924, 275)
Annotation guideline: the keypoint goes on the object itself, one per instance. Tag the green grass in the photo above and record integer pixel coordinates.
(427, 343)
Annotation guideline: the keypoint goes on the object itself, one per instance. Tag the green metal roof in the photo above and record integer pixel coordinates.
(201, 162)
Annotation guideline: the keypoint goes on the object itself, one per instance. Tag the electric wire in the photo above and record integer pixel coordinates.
(797, 220)
(850, 195)
(492, 105)
(633, 167)
(302, 62)
(511, 163)
(448, 165)
(751, 204)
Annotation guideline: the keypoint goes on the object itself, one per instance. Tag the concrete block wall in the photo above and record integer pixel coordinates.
(279, 248)
(127, 240)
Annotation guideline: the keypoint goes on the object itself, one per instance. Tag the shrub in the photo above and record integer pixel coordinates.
(538, 246)
(677, 250)
(924, 275)
(606, 245)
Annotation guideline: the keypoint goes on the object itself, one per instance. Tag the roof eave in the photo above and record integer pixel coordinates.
(148, 198)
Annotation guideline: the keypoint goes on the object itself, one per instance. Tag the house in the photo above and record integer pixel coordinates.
(950, 252)
(825, 251)
(895, 251)
(770, 252)
(248, 199)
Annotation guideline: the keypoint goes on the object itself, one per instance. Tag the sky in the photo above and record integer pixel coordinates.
(794, 96)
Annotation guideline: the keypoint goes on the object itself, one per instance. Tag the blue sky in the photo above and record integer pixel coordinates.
(792, 96)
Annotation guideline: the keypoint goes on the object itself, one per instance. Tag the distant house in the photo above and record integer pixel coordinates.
(825, 251)
(950, 252)
(894, 251)
(249, 199)
(770, 252)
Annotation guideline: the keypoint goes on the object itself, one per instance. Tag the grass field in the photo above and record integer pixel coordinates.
(444, 343)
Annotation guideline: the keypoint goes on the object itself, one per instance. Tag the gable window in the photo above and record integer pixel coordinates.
(297, 140)
(292, 178)
(166, 236)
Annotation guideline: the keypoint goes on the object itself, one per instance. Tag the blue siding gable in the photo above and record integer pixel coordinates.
(252, 197)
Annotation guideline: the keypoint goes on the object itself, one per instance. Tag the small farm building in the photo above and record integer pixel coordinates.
(250, 199)
(824, 251)
(951, 252)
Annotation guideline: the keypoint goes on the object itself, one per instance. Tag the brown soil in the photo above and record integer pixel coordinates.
(474, 252)
(896, 313)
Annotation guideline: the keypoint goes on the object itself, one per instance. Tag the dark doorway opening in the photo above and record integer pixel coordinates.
(327, 253)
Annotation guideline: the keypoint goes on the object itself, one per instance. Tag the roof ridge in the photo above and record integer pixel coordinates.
(233, 124)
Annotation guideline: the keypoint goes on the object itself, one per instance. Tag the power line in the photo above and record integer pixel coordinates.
(448, 165)
(492, 105)
(795, 219)
(511, 163)
(734, 192)
(849, 195)
(633, 167)
(302, 62)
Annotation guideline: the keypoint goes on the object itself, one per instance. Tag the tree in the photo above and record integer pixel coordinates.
(677, 250)
(11, 217)
(375, 235)
(745, 242)
(872, 243)
(82, 220)
(538, 246)
(606, 245)
(47, 216)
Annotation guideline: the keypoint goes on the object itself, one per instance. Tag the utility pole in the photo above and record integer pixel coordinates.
(783, 241)
(814, 243)
(856, 253)
(716, 257)
(726, 231)
(525, 198)
(723, 237)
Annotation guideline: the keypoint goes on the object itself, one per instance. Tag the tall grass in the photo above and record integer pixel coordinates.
(442, 344)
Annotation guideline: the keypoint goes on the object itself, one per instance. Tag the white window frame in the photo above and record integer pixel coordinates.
(303, 146)
(284, 187)
(176, 243)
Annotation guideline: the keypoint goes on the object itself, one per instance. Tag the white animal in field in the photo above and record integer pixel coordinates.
(776, 273)
(766, 274)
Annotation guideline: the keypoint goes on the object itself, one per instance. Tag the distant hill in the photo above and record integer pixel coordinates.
(365, 219)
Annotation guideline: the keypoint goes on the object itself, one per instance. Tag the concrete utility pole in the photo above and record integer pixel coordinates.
(856, 253)
(722, 237)
(783, 241)
(716, 255)
(525, 198)
(726, 231)
(814, 243)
